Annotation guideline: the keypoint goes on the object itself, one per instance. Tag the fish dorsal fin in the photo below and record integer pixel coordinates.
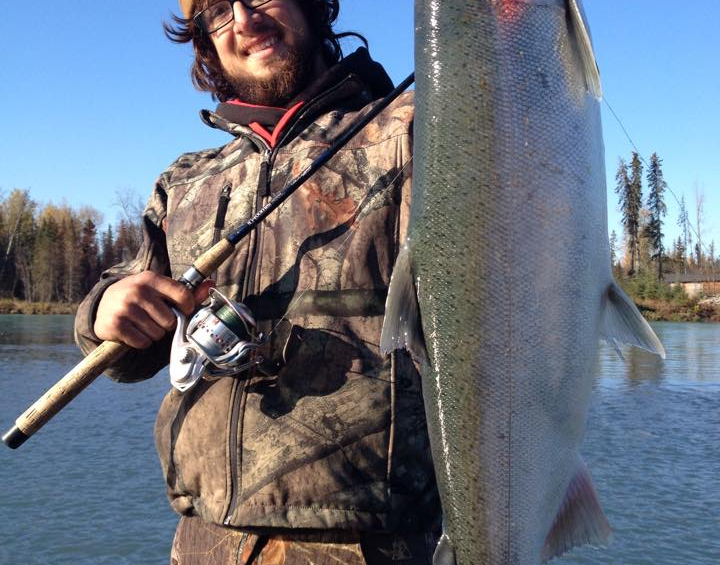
(401, 327)
(580, 31)
(580, 520)
(623, 323)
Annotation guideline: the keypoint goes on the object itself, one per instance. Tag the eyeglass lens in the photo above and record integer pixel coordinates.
(220, 14)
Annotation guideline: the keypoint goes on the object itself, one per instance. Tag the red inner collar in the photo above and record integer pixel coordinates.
(271, 135)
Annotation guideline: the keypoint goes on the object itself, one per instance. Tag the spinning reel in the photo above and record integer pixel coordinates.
(220, 340)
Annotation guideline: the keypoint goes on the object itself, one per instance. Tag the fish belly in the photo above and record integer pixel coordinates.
(508, 250)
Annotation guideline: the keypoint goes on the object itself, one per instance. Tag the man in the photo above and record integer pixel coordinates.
(319, 455)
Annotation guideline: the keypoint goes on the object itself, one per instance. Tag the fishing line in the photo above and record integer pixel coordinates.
(108, 352)
(640, 155)
(341, 248)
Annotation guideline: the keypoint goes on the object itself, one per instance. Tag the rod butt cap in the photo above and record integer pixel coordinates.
(14, 438)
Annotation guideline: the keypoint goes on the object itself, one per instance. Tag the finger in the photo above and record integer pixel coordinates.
(159, 311)
(137, 324)
(123, 330)
(175, 292)
(133, 337)
(203, 291)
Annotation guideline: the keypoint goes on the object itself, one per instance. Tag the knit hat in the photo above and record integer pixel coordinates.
(187, 8)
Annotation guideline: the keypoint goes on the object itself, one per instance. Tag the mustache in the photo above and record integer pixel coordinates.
(263, 30)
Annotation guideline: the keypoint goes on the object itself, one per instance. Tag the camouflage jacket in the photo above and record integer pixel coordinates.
(331, 433)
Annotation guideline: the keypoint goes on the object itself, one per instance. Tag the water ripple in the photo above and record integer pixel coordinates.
(88, 490)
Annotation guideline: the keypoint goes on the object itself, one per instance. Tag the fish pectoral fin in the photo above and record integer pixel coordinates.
(623, 323)
(580, 520)
(444, 552)
(401, 327)
(580, 32)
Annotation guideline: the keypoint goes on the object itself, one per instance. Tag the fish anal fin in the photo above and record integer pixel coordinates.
(402, 327)
(623, 323)
(444, 552)
(580, 520)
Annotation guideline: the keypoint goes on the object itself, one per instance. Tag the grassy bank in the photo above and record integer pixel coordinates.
(9, 306)
(658, 301)
(679, 310)
(670, 308)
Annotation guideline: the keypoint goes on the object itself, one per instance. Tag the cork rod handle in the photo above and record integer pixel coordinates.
(62, 392)
(90, 368)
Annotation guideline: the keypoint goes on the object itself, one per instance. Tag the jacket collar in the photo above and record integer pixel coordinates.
(348, 85)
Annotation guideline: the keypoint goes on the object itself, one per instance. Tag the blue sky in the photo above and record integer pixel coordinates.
(94, 100)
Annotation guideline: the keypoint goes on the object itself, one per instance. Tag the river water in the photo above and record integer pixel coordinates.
(87, 489)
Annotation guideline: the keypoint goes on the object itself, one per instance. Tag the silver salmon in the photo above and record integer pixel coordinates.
(504, 288)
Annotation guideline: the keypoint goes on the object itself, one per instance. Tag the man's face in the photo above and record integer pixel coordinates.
(267, 54)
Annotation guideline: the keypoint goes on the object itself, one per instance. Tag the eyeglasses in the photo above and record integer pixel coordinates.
(220, 14)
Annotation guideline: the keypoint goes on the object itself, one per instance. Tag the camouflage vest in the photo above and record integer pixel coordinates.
(329, 433)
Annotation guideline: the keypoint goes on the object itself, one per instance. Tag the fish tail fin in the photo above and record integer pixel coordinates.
(580, 520)
(444, 552)
(623, 323)
(401, 327)
(580, 31)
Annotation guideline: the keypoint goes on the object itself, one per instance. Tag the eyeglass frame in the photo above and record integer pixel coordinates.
(197, 18)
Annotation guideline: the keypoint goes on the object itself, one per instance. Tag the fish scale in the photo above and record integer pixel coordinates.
(503, 287)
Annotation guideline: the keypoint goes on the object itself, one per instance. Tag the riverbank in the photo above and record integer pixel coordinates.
(655, 310)
(9, 306)
(687, 310)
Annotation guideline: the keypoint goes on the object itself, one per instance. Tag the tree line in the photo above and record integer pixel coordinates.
(55, 253)
(643, 222)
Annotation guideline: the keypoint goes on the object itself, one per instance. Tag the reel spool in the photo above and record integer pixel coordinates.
(219, 341)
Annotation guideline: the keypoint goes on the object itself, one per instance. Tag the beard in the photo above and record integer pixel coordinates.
(290, 76)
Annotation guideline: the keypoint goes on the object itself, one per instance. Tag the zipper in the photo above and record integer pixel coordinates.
(223, 201)
(222, 207)
(238, 391)
(264, 178)
(309, 106)
(263, 191)
(236, 400)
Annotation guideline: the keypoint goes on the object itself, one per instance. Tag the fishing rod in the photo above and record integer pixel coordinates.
(85, 372)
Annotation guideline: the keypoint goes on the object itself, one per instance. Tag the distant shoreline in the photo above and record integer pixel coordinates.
(9, 306)
(654, 310)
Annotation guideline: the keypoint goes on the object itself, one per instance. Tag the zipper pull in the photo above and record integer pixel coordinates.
(222, 207)
(264, 180)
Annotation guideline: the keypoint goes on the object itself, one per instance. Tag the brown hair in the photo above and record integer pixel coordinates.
(206, 71)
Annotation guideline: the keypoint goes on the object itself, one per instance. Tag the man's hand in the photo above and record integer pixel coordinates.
(136, 310)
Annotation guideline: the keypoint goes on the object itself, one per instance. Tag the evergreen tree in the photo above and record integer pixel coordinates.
(629, 191)
(89, 262)
(699, 256)
(635, 203)
(622, 189)
(699, 217)
(684, 223)
(613, 249)
(678, 255)
(107, 254)
(658, 210)
(127, 241)
(46, 263)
